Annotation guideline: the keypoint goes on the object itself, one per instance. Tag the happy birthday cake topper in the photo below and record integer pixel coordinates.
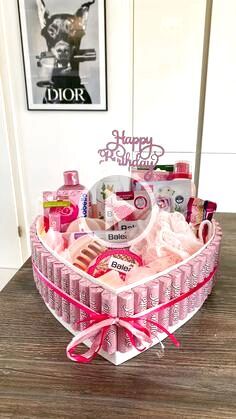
(131, 151)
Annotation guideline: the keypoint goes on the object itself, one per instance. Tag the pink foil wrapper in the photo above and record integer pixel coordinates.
(65, 286)
(204, 273)
(57, 268)
(51, 294)
(175, 292)
(84, 299)
(35, 245)
(193, 299)
(38, 251)
(153, 291)
(165, 292)
(210, 254)
(95, 297)
(74, 292)
(109, 306)
(44, 257)
(125, 309)
(140, 301)
(186, 271)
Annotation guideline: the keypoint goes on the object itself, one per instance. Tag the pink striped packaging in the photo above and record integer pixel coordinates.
(57, 268)
(44, 257)
(65, 286)
(153, 290)
(140, 301)
(51, 296)
(125, 309)
(84, 299)
(35, 244)
(109, 306)
(175, 292)
(205, 273)
(193, 299)
(210, 264)
(185, 286)
(95, 297)
(165, 292)
(38, 250)
(74, 292)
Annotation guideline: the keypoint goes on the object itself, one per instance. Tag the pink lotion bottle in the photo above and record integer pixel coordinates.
(71, 181)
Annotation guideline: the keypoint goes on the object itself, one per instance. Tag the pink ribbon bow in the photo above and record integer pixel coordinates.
(139, 335)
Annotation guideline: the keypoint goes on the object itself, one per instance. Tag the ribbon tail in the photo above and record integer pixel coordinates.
(170, 335)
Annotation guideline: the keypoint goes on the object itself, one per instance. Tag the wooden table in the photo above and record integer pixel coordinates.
(196, 381)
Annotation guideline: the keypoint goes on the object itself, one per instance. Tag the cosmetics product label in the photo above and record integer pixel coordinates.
(119, 265)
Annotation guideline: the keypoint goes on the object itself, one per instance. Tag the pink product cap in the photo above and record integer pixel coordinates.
(153, 291)
(74, 292)
(84, 298)
(95, 298)
(71, 177)
(65, 285)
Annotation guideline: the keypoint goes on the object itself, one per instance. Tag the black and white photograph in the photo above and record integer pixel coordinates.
(64, 52)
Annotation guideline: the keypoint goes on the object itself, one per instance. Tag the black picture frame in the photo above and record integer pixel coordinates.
(61, 71)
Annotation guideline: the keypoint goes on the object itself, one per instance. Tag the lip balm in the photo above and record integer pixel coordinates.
(125, 309)
(109, 306)
(153, 291)
(186, 271)
(84, 298)
(165, 292)
(74, 292)
(175, 292)
(65, 286)
(51, 294)
(57, 267)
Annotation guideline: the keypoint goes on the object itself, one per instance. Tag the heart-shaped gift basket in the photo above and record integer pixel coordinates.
(119, 297)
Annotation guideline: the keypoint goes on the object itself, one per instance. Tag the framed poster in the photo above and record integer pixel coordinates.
(64, 51)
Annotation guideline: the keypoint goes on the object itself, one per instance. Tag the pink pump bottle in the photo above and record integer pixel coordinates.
(71, 181)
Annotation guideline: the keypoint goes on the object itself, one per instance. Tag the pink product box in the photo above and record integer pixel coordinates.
(119, 343)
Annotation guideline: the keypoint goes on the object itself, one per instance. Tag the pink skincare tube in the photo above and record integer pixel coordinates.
(165, 292)
(193, 299)
(44, 258)
(51, 294)
(65, 286)
(74, 292)
(175, 292)
(185, 287)
(125, 309)
(57, 268)
(84, 299)
(109, 306)
(153, 291)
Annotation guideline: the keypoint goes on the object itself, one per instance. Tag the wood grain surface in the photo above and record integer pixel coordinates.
(196, 381)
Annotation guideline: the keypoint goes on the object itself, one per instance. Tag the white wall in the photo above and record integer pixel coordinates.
(154, 52)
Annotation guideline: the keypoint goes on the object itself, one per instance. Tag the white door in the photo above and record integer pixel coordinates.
(10, 250)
